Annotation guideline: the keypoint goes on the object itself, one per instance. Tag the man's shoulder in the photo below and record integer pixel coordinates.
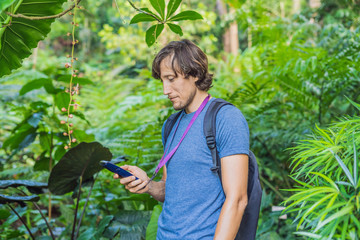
(229, 112)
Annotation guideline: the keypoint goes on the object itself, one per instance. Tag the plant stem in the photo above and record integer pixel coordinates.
(32, 236)
(141, 11)
(272, 187)
(50, 166)
(46, 17)
(76, 209)
(47, 223)
(87, 199)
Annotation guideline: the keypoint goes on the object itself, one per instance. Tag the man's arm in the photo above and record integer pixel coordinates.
(155, 189)
(234, 179)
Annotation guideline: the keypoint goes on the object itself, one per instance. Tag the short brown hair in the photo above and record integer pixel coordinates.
(187, 59)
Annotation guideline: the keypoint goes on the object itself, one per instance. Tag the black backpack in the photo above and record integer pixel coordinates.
(248, 226)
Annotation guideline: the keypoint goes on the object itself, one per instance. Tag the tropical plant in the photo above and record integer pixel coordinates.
(326, 168)
(154, 31)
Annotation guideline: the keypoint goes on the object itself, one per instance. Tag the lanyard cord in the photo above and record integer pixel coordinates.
(165, 158)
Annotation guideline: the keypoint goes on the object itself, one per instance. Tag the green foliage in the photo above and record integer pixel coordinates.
(33, 187)
(20, 35)
(152, 227)
(290, 74)
(159, 5)
(327, 199)
(18, 199)
(5, 4)
(82, 161)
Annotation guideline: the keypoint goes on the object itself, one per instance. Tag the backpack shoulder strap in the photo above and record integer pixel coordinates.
(170, 122)
(210, 131)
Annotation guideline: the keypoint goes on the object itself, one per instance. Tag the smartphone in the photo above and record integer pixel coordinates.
(116, 169)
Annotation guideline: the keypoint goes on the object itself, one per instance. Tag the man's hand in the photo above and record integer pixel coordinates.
(135, 186)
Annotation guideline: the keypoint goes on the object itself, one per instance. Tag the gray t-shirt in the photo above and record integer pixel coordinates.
(193, 193)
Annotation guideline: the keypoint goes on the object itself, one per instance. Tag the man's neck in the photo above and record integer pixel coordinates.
(195, 104)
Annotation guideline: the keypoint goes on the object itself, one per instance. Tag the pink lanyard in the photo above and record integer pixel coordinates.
(166, 158)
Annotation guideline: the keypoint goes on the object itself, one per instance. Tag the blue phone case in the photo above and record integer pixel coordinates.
(116, 169)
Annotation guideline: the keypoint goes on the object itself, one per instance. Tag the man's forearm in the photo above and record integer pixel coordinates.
(157, 190)
(230, 219)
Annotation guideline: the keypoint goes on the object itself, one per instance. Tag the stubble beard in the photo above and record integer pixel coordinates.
(187, 103)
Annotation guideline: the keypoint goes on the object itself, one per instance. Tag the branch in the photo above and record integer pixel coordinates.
(22, 220)
(142, 11)
(19, 15)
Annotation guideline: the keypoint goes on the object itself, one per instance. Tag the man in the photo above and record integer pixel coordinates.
(196, 204)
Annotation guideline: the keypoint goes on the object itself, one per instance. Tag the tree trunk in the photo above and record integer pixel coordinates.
(296, 6)
(230, 37)
(314, 3)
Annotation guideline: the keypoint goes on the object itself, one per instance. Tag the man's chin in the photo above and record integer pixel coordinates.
(178, 107)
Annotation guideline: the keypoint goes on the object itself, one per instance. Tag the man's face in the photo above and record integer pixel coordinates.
(180, 91)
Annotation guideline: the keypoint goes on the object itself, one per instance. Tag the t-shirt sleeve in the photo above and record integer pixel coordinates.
(232, 132)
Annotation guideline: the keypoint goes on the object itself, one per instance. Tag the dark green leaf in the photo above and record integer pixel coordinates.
(35, 119)
(59, 152)
(153, 33)
(36, 84)
(33, 187)
(18, 38)
(148, 11)
(131, 224)
(27, 141)
(175, 28)
(81, 116)
(42, 164)
(103, 225)
(9, 199)
(159, 6)
(75, 80)
(45, 140)
(5, 4)
(22, 138)
(4, 214)
(172, 7)
(186, 15)
(142, 17)
(152, 227)
(86, 183)
(80, 161)
(88, 234)
(39, 105)
(62, 100)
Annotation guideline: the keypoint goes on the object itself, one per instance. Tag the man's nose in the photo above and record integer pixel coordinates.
(166, 88)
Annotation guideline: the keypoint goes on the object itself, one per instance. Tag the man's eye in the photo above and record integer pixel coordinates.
(171, 79)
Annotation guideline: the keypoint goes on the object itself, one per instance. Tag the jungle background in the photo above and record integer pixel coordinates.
(291, 67)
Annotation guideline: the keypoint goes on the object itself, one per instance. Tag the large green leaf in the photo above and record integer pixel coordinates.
(33, 187)
(22, 138)
(19, 199)
(172, 7)
(159, 6)
(153, 33)
(152, 227)
(21, 35)
(175, 28)
(186, 15)
(80, 161)
(5, 4)
(142, 17)
(62, 100)
(36, 84)
(129, 225)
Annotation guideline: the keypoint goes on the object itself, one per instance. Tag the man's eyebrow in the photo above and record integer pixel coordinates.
(168, 75)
